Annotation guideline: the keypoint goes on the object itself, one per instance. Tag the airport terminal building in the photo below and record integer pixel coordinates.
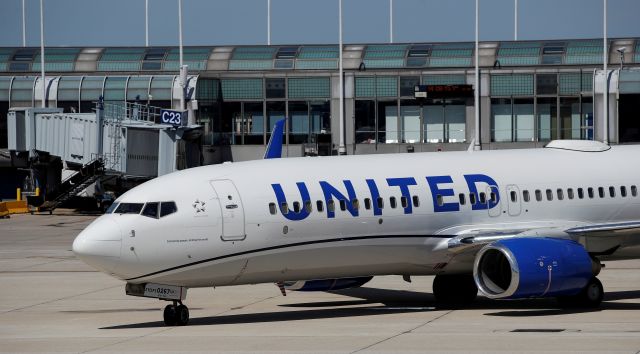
(530, 92)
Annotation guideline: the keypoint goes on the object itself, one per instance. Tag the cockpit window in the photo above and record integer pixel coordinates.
(167, 208)
(151, 210)
(111, 208)
(129, 208)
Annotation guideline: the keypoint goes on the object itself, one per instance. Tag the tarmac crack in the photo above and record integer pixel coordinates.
(58, 299)
(402, 333)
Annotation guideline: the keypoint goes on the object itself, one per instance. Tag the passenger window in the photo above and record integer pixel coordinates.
(601, 192)
(634, 191)
(307, 206)
(525, 195)
(560, 193)
(570, 193)
(461, 198)
(167, 208)
(285, 208)
(151, 210)
(493, 197)
(538, 195)
(623, 191)
(356, 204)
(343, 204)
(416, 201)
(439, 200)
(590, 192)
(380, 203)
(549, 195)
(483, 198)
(272, 208)
(612, 192)
(472, 198)
(404, 202)
(320, 206)
(392, 202)
(514, 197)
(296, 207)
(331, 206)
(367, 203)
(580, 193)
(129, 208)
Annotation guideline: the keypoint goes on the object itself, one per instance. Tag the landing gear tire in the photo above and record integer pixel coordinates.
(170, 315)
(455, 289)
(176, 315)
(589, 297)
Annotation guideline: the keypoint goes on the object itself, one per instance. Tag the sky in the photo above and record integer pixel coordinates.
(244, 22)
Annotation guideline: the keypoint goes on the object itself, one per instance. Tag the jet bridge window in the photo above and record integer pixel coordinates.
(272, 208)
(634, 191)
(601, 192)
(525, 195)
(538, 195)
(151, 210)
(612, 192)
(560, 193)
(580, 193)
(129, 208)
(570, 193)
(416, 201)
(623, 191)
(167, 208)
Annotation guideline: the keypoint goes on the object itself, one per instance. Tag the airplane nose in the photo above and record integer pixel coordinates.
(99, 244)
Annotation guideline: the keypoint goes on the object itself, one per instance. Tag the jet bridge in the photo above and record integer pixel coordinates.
(122, 142)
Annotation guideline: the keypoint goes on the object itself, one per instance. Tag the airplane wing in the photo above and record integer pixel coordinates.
(598, 239)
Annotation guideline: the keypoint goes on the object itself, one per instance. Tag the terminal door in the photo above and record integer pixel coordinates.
(232, 210)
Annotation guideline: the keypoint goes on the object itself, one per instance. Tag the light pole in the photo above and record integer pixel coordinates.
(44, 81)
(515, 21)
(342, 149)
(605, 58)
(183, 70)
(476, 91)
(390, 21)
(24, 25)
(146, 23)
(268, 22)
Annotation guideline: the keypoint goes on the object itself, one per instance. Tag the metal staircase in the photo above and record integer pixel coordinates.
(70, 187)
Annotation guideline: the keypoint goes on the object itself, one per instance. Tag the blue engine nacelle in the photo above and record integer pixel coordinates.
(532, 267)
(326, 284)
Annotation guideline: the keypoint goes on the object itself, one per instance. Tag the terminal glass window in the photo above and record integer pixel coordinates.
(523, 119)
(388, 114)
(547, 118)
(275, 112)
(410, 121)
(275, 88)
(254, 123)
(502, 125)
(299, 122)
(365, 122)
(570, 118)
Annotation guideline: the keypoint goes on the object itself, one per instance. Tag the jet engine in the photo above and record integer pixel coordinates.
(326, 284)
(533, 267)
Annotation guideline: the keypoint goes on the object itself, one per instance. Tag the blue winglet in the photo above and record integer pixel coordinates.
(274, 148)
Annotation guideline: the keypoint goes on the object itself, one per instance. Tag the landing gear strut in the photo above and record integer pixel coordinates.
(589, 297)
(455, 289)
(176, 314)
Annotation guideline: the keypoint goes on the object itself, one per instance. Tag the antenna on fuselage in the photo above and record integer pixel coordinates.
(274, 147)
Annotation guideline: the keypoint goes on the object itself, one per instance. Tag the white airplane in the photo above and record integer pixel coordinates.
(511, 223)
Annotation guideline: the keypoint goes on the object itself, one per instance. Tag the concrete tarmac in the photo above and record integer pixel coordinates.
(50, 302)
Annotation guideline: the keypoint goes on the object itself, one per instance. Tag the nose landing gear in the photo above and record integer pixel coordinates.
(176, 314)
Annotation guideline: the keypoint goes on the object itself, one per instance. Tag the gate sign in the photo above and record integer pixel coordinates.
(173, 117)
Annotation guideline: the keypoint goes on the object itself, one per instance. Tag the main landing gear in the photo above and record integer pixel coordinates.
(176, 314)
(589, 297)
(455, 289)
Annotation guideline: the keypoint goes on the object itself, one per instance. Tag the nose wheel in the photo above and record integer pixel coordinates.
(176, 314)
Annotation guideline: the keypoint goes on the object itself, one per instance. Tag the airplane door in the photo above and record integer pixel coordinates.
(232, 210)
(493, 199)
(513, 195)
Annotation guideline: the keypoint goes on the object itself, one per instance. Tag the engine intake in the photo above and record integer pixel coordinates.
(532, 267)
